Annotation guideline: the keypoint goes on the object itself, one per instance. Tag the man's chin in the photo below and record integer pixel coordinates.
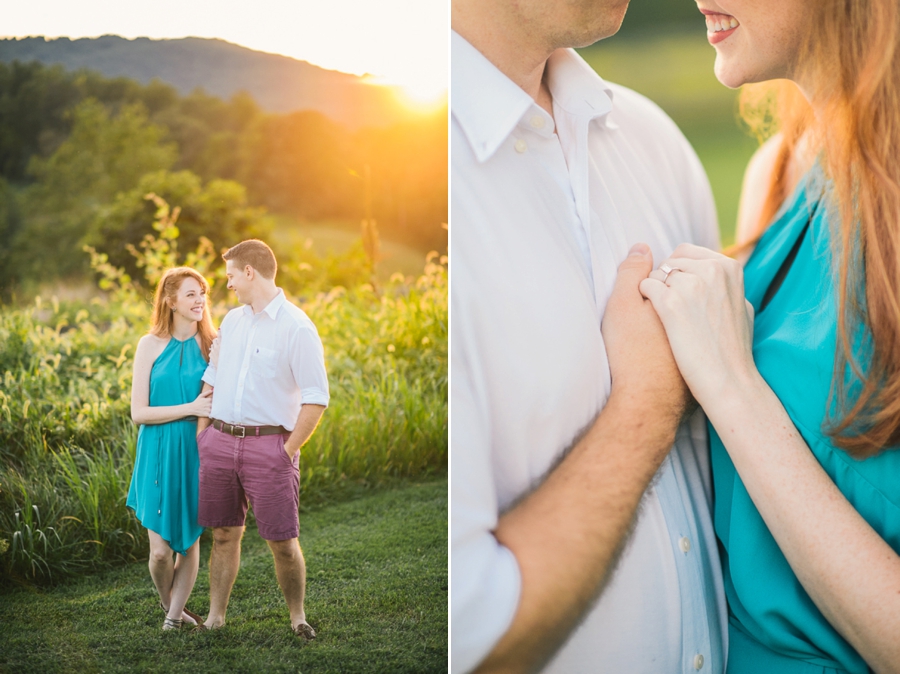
(607, 27)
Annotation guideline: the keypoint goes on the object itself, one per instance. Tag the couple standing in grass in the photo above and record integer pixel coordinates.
(202, 457)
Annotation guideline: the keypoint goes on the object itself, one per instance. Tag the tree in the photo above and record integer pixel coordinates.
(103, 156)
(297, 164)
(33, 104)
(217, 210)
(9, 225)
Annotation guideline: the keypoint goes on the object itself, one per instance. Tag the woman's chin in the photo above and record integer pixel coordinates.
(728, 76)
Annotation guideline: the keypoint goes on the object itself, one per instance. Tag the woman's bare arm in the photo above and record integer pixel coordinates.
(148, 350)
(849, 571)
(755, 188)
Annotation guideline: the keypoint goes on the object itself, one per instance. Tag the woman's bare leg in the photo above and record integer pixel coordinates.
(186, 568)
(165, 573)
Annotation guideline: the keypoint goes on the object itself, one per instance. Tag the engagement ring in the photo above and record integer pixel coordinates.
(666, 269)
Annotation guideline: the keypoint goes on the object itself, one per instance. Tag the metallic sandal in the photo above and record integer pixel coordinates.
(172, 623)
(197, 619)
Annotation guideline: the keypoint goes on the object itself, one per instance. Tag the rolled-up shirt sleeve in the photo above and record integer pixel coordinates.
(307, 359)
(485, 578)
(209, 375)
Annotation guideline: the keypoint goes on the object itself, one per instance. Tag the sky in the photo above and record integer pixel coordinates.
(402, 42)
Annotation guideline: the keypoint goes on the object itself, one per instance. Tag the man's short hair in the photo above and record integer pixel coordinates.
(255, 253)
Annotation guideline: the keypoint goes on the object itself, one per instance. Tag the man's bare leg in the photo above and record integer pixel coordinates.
(224, 563)
(290, 569)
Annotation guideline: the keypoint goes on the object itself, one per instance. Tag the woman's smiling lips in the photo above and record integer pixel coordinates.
(719, 26)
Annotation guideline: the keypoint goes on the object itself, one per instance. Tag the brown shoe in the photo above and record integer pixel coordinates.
(193, 615)
(304, 631)
(201, 627)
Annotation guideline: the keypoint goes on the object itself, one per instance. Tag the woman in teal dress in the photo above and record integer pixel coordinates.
(795, 357)
(166, 401)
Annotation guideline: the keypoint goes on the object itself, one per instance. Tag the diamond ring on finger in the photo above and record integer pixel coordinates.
(666, 269)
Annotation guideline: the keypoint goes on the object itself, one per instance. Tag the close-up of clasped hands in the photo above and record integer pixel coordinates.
(670, 455)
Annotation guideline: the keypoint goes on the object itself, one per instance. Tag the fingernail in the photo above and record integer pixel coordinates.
(641, 249)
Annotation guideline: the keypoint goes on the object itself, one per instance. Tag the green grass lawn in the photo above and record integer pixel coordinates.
(376, 593)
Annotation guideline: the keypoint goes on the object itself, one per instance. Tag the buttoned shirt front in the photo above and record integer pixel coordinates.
(544, 208)
(270, 364)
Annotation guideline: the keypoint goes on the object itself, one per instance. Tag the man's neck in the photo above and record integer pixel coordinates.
(510, 47)
(261, 300)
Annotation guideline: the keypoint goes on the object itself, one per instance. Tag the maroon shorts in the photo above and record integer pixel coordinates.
(233, 470)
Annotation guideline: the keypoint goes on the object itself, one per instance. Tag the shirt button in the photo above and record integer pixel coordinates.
(685, 544)
(698, 662)
(521, 146)
(537, 122)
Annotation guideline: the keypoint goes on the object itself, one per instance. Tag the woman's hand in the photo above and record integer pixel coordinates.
(202, 405)
(708, 321)
(214, 350)
(640, 360)
(820, 533)
(148, 350)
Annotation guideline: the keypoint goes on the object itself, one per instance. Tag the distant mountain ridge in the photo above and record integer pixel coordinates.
(277, 83)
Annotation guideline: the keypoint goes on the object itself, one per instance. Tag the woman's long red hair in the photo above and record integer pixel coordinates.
(162, 321)
(854, 48)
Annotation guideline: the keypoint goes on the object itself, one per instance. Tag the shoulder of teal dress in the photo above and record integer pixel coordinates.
(804, 206)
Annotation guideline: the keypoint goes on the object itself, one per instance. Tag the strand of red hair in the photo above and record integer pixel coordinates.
(853, 45)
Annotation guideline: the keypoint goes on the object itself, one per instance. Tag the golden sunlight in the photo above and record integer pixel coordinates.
(423, 96)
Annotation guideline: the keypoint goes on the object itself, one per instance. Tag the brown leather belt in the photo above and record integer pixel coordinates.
(244, 431)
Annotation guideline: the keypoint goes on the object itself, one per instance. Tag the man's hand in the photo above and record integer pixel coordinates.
(641, 363)
(203, 421)
(307, 421)
(708, 321)
(579, 517)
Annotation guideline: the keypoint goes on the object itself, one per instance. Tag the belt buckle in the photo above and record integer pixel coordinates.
(243, 431)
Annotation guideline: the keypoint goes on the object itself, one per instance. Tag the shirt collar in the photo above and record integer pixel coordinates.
(575, 87)
(485, 102)
(271, 308)
(488, 105)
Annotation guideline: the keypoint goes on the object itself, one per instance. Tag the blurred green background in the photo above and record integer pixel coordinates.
(662, 52)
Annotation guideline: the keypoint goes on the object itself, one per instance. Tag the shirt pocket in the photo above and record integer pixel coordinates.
(264, 362)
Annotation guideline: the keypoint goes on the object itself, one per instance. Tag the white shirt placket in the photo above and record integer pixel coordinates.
(557, 165)
(245, 369)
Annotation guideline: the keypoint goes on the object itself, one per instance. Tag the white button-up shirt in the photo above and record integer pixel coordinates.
(270, 364)
(542, 215)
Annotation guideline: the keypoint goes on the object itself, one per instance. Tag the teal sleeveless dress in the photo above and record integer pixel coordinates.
(774, 626)
(165, 482)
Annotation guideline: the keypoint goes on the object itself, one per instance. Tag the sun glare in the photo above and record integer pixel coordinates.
(422, 96)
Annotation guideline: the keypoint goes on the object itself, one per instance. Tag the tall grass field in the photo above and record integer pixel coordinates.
(67, 442)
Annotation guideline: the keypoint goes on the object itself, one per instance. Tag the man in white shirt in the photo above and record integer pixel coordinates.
(270, 392)
(563, 485)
